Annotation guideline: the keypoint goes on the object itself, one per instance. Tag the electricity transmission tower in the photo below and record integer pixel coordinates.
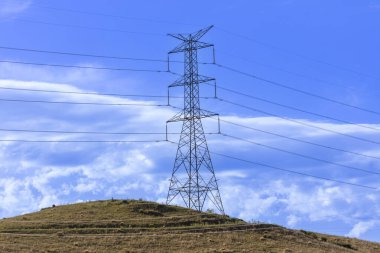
(193, 177)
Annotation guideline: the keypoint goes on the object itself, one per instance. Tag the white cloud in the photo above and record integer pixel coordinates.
(49, 172)
(294, 201)
(292, 220)
(113, 165)
(12, 7)
(232, 173)
(87, 186)
(15, 197)
(362, 227)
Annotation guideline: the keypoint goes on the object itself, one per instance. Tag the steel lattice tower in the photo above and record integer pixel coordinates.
(193, 177)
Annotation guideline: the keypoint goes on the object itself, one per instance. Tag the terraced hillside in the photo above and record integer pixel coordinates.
(140, 226)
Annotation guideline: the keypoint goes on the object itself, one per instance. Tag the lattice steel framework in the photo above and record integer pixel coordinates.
(193, 177)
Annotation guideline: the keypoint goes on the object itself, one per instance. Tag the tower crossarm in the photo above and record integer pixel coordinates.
(202, 114)
(195, 45)
(201, 79)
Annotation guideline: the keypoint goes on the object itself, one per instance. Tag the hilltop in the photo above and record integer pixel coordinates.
(141, 226)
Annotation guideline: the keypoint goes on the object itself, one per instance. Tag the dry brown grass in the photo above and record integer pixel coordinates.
(139, 226)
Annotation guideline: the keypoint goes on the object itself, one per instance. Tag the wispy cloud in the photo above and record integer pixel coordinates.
(9, 8)
(362, 227)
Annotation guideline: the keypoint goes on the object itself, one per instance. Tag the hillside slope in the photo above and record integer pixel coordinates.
(140, 226)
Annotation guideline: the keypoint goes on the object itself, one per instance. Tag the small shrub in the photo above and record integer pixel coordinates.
(346, 245)
(150, 212)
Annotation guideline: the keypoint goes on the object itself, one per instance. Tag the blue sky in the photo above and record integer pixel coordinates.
(329, 48)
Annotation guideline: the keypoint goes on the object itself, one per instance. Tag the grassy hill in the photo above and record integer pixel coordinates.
(140, 226)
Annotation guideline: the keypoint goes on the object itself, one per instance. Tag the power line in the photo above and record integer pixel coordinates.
(147, 133)
(95, 55)
(282, 69)
(78, 103)
(294, 172)
(144, 59)
(177, 23)
(81, 132)
(312, 113)
(88, 132)
(81, 141)
(84, 67)
(229, 122)
(83, 55)
(289, 171)
(163, 96)
(296, 54)
(158, 60)
(95, 93)
(88, 93)
(290, 88)
(300, 155)
(299, 122)
(299, 140)
(170, 22)
(55, 131)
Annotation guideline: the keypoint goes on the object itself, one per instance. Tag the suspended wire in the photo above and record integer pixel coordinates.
(236, 92)
(300, 155)
(219, 65)
(299, 122)
(96, 93)
(222, 120)
(87, 27)
(229, 122)
(304, 111)
(168, 61)
(299, 140)
(157, 96)
(289, 88)
(89, 93)
(171, 22)
(81, 132)
(89, 132)
(181, 23)
(315, 114)
(158, 60)
(294, 172)
(281, 69)
(268, 45)
(82, 141)
(222, 100)
(87, 55)
(79, 103)
(227, 156)
(289, 171)
(165, 96)
(84, 67)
